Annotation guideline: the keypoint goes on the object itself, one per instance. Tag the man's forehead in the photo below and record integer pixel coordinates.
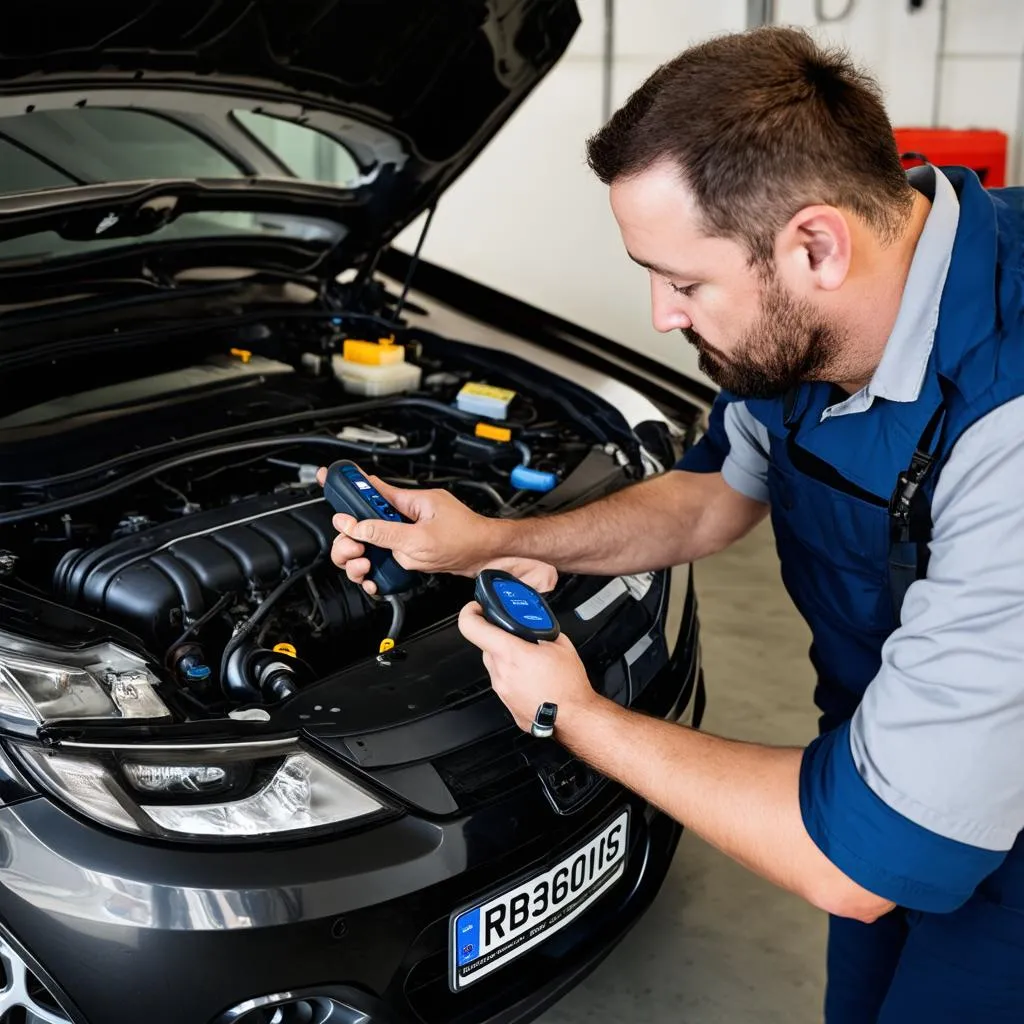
(658, 191)
(655, 209)
(662, 229)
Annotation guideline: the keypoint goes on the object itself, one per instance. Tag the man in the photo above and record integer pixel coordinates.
(853, 315)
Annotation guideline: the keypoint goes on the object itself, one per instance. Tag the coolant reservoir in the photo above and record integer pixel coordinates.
(374, 368)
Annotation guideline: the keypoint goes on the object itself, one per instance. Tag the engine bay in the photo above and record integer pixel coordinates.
(182, 506)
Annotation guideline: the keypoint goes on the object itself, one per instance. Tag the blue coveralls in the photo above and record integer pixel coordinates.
(953, 951)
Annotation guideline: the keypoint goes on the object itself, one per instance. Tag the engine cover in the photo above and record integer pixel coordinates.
(152, 579)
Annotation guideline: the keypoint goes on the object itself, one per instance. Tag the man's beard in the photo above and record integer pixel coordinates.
(788, 344)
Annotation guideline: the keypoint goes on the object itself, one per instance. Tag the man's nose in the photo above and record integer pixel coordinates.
(667, 313)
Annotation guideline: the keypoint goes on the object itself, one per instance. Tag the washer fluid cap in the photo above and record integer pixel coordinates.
(524, 478)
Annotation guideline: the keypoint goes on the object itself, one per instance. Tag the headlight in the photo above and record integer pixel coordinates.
(223, 793)
(41, 684)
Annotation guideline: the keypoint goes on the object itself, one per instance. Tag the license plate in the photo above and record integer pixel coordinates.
(495, 932)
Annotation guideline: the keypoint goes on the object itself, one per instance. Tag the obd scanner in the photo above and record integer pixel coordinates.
(347, 490)
(518, 609)
(514, 606)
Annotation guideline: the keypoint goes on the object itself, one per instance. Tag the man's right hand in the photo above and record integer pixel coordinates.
(444, 535)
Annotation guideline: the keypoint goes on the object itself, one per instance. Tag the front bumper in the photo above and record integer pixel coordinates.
(220, 930)
(121, 930)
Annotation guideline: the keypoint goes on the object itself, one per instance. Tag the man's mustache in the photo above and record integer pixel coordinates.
(703, 346)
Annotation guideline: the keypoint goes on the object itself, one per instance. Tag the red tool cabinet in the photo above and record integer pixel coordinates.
(982, 150)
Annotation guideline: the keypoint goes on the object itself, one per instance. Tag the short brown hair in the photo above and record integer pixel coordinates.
(761, 124)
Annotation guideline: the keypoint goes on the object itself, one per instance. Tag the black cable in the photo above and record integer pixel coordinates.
(261, 612)
(222, 603)
(168, 329)
(216, 471)
(61, 504)
(413, 262)
(336, 413)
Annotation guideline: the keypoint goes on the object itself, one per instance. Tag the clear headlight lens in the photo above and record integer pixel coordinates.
(261, 796)
(85, 785)
(40, 684)
(303, 793)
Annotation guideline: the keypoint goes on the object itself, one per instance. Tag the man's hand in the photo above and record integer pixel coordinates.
(525, 675)
(444, 536)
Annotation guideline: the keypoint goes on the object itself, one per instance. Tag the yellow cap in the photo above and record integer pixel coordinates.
(493, 433)
(487, 391)
(386, 644)
(372, 353)
(243, 353)
(288, 649)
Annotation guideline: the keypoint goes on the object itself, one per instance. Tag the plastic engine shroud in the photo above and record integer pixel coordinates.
(145, 579)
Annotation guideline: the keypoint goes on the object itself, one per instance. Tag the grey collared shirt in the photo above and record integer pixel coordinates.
(939, 735)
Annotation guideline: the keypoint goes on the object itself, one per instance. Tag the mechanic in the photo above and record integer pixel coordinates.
(853, 313)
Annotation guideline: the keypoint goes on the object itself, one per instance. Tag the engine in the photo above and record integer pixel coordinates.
(184, 506)
(167, 582)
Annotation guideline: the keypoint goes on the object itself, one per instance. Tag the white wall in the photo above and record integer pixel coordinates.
(969, 71)
(528, 217)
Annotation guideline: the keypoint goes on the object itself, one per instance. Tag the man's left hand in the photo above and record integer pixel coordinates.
(525, 675)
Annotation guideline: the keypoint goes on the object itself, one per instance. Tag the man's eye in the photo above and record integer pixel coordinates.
(688, 290)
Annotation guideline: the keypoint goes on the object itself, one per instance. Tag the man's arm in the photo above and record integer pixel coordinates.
(917, 799)
(740, 797)
(675, 518)
(678, 517)
(715, 496)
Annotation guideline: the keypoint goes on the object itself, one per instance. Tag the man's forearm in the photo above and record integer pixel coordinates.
(675, 518)
(740, 797)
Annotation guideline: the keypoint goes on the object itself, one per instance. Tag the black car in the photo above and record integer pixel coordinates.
(224, 799)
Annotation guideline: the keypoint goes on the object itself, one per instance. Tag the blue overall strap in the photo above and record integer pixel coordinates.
(910, 516)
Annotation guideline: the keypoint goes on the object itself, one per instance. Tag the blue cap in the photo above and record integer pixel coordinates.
(197, 672)
(525, 479)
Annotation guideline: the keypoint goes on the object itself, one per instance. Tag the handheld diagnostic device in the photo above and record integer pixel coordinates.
(514, 606)
(518, 609)
(347, 490)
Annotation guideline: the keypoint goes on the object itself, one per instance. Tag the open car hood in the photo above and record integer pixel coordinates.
(412, 90)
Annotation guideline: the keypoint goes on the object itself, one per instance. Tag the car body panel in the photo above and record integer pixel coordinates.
(186, 929)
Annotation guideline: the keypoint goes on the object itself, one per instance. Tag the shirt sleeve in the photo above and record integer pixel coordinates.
(920, 796)
(735, 445)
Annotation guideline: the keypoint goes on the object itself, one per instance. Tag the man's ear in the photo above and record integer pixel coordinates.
(816, 248)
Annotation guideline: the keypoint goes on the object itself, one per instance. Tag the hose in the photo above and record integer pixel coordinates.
(261, 612)
(479, 485)
(397, 621)
(61, 504)
(336, 413)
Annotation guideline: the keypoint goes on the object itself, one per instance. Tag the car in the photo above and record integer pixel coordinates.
(234, 787)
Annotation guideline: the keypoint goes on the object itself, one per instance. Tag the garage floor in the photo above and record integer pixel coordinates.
(720, 946)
